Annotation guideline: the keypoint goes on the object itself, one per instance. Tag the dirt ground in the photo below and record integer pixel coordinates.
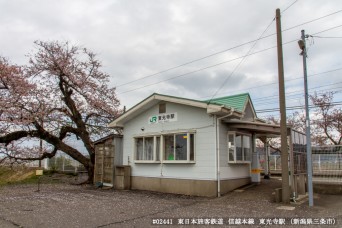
(66, 205)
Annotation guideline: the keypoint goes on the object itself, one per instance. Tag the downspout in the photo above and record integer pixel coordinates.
(218, 172)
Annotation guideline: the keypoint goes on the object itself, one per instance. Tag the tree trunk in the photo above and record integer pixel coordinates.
(90, 168)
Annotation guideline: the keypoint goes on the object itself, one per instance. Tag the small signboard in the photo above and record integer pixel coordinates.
(39, 172)
(256, 171)
(163, 118)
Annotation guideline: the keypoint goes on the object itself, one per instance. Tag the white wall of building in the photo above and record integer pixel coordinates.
(229, 170)
(188, 118)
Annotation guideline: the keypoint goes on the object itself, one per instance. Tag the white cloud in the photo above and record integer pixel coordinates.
(139, 38)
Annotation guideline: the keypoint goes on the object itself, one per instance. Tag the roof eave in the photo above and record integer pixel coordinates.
(115, 125)
(120, 121)
(255, 126)
(222, 111)
(183, 101)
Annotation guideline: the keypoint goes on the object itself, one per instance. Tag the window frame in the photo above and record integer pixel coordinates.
(190, 147)
(230, 146)
(188, 150)
(154, 154)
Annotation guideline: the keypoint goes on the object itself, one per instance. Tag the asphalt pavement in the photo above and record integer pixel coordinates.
(65, 205)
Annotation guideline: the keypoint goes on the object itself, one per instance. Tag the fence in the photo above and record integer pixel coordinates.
(326, 163)
(64, 163)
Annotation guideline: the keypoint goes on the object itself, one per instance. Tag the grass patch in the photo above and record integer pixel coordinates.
(26, 175)
(17, 175)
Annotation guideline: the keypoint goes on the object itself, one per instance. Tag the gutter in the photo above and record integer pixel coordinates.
(218, 172)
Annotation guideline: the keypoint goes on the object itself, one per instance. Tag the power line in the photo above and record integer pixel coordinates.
(277, 109)
(299, 96)
(296, 94)
(182, 75)
(228, 49)
(275, 82)
(237, 66)
(191, 72)
(327, 29)
(338, 103)
(187, 63)
(316, 19)
(328, 37)
(301, 90)
(289, 6)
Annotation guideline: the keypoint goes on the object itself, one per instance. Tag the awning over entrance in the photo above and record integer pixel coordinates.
(297, 150)
(268, 130)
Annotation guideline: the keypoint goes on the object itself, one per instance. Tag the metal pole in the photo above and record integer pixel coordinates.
(307, 122)
(41, 147)
(267, 161)
(218, 157)
(282, 104)
(218, 173)
(40, 152)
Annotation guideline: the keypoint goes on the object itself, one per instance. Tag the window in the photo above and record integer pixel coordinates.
(171, 148)
(179, 147)
(157, 148)
(239, 147)
(147, 148)
(162, 108)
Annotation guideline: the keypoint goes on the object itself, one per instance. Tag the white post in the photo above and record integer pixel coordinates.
(255, 162)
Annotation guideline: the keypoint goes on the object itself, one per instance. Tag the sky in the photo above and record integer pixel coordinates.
(195, 49)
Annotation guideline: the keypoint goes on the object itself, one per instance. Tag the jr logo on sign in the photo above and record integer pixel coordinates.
(163, 118)
(154, 119)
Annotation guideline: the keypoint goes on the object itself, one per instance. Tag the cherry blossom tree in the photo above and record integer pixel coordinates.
(325, 120)
(60, 93)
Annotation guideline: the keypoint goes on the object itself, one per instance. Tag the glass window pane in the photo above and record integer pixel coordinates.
(238, 146)
(169, 147)
(148, 147)
(231, 154)
(139, 148)
(181, 146)
(231, 139)
(246, 147)
(157, 148)
(231, 147)
(192, 147)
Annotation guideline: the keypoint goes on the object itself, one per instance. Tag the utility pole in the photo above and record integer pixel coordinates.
(302, 46)
(282, 104)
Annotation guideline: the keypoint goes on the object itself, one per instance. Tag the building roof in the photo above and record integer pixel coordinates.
(110, 136)
(219, 106)
(238, 101)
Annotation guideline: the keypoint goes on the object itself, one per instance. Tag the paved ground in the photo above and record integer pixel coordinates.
(65, 205)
